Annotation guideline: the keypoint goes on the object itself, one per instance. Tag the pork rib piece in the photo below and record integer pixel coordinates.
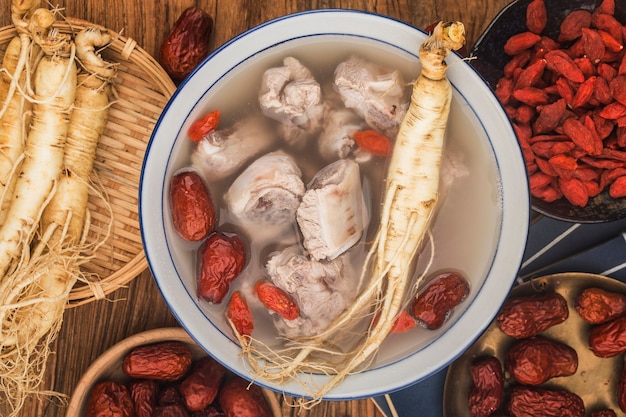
(290, 95)
(268, 191)
(332, 214)
(223, 152)
(377, 94)
(322, 290)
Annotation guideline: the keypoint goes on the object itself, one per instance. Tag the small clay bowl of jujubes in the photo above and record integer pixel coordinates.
(558, 68)
(163, 372)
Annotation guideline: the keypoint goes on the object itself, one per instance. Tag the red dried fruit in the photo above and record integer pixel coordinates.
(597, 306)
(572, 25)
(240, 398)
(550, 117)
(201, 386)
(164, 361)
(617, 189)
(608, 340)
(528, 316)
(221, 259)
(579, 134)
(536, 16)
(584, 92)
(193, 212)
(201, 127)
(531, 74)
(535, 360)
(240, 315)
(520, 42)
(373, 142)
(601, 90)
(277, 300)
(593, 44)
(561, 63)
(621, 390)
(486, 393)
(618, 88)
(439, 298)
(144, 394)
(531, 96)
(533, 402)
(187, 44)
(109, 398)
(574, 191)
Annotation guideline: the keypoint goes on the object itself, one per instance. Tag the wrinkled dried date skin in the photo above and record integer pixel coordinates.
(434, 304)
(535, 360)
(109, 399)
(609, 339)
(193, 212)
(187, 44)
(144, 394)
(174, 410)
(165, 361)
(533, 402)
(238, 398)
(528, 316)
(222, 258)
(603, 413)
(201, 386)
(210, 411)
(169, 395)
(487, 387)
(597, 306)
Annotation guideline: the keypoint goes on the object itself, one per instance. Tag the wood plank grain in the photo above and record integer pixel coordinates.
(90, 329)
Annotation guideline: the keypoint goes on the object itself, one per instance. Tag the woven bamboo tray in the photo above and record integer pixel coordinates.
(143, 88)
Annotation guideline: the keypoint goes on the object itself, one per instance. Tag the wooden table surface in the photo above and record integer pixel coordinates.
(90, 329)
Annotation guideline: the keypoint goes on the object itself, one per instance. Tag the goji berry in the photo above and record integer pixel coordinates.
(524, 113)
(601, 90)
(584, 92)
(606, 71)
(531, 74)
(239, 314)
(592, 187)
(403, 323)
(373, 142)
(579, 134)
(572, 25)
(531, 96)
(618, 88)
(622, 67)
(520, 42)
(277, 300)
(617, 188)
(550, 117)
(547, 193)
(574, 191)
(539, 180)
(204, 125)
(613, 111)
(563, 162)
(561, 63)
(518, 61)
(593, 44)
(536, 16)
(606, 6)
(545, 167)
(610, 43)
(609, 24)
(504, 90)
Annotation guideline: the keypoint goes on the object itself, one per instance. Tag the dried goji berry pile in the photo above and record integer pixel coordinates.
(566, 98)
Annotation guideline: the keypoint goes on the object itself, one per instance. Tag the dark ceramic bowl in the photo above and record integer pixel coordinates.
(490, 60)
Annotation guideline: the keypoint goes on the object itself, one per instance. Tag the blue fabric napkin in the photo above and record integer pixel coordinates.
(553, 246)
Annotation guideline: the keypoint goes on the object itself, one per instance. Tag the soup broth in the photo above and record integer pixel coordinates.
(458, 238)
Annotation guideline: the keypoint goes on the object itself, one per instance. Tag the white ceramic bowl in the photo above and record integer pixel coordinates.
(483, 223)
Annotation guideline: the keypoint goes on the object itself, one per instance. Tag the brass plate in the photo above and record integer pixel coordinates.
(595, 380)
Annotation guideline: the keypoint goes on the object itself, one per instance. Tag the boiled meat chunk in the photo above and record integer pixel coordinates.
(377, 94)
(322, 290)
(291, 95)
(332, 214)
(223, 152)
(269, 191)
(336, 141)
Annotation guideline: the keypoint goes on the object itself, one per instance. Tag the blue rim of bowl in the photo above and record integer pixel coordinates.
(468, 326)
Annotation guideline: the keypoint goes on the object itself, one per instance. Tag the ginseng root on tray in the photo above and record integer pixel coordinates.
(55, 93)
